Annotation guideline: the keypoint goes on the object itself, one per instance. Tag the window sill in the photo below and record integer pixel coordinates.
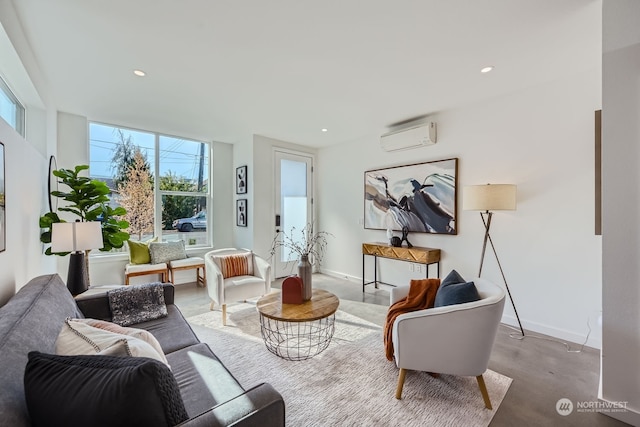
(98, 257)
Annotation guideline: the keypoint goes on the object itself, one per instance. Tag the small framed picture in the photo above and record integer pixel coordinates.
(241, 212)
(241, 180)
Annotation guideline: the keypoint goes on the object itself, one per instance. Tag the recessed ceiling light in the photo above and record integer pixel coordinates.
(324, 130)
(139, 73)
(486, 69)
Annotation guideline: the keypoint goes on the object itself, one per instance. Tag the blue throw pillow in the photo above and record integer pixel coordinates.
(457, 293)
(452, 278)
(455, 290)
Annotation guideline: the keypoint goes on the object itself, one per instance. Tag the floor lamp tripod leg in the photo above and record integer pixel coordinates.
(487, 224)
(487, 237)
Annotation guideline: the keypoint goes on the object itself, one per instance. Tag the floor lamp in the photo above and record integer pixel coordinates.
(76, 237)
(486, 199)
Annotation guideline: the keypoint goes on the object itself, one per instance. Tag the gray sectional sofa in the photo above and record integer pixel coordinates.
(33, 318)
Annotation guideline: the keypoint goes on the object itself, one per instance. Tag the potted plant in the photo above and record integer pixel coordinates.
(87, 199)
(310, 247)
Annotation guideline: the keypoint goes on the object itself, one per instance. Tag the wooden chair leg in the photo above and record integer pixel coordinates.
(483, 390)
(224, 314)
(201, 277)
(211, 305)
(403, 373)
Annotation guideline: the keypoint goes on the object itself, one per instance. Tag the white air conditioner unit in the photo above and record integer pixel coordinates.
(410, 137)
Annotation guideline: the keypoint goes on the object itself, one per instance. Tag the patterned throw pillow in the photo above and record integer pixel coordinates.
(235, 265)
(166, 251)
(138, 303)
(142, 334)
(78, 338)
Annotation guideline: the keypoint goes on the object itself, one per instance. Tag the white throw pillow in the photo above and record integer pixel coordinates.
(78, 337)
(145, 336)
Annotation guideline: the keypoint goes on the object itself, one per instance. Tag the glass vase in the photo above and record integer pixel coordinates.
(304, 272)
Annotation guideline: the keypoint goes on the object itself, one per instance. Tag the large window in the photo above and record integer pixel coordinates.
(10, 108)
(162, 181)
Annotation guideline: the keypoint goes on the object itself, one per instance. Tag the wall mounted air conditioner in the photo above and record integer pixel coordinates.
(409, 137)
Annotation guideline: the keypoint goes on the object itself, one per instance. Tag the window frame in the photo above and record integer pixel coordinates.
(158, 194)
(20, 113)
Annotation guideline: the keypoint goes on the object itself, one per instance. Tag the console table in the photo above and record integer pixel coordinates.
(416, 254)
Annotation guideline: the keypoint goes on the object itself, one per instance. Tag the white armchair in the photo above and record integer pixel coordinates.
(455, 339)
(235, 275)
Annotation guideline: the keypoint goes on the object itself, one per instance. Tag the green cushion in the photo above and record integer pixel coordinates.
(139, 251)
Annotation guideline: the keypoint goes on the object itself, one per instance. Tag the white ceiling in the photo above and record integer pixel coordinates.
(224, 70)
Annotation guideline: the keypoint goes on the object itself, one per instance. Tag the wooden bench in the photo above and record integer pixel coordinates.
(190, 263)
(132, 270)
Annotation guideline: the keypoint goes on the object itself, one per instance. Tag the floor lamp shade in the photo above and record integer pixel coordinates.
(489, 197)
(76, 237)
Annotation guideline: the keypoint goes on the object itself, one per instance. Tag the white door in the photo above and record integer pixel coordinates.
(293, 204)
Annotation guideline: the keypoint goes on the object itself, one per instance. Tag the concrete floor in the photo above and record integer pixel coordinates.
(542, 369)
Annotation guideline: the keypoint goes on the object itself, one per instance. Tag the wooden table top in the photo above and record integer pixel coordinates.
(322, 304)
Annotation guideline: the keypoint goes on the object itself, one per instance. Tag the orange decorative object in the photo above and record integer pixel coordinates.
(292, 290)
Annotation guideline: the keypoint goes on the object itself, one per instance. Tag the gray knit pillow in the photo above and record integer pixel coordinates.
(166, 251)
(137, 303)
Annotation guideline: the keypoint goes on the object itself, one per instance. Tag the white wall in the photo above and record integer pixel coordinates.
(541, 139)
(26, 160)
(25, 194)
(243, 156)
(620, 380)
(223, 190)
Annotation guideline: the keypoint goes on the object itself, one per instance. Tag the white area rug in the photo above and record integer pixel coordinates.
(351, 383)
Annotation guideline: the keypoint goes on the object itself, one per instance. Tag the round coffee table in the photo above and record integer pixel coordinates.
(298, 331)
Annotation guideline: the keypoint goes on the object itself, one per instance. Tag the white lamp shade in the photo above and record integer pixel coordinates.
(76, 236)
(489, 197)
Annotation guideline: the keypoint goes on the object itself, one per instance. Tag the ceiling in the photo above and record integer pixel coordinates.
(224, 70)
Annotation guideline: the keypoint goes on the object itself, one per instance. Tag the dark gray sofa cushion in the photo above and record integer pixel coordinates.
(172, 332)
(30, 321)
(198, 372)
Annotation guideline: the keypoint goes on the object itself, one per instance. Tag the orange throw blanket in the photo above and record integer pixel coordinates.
(422, 294)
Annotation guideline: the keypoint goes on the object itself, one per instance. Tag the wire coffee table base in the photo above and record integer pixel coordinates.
(297, 340)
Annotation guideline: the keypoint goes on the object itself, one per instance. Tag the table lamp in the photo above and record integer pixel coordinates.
(76, 237)
(486, 199)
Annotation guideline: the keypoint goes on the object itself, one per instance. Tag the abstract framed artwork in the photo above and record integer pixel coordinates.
(241, 212)
(421, 197)
(3, 228)
(241, 180)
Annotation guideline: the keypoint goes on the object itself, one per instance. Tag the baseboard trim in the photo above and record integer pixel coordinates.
(575, 340)
(629, 416)
(339, 275)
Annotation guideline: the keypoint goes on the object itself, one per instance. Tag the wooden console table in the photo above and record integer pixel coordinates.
(416, 254)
